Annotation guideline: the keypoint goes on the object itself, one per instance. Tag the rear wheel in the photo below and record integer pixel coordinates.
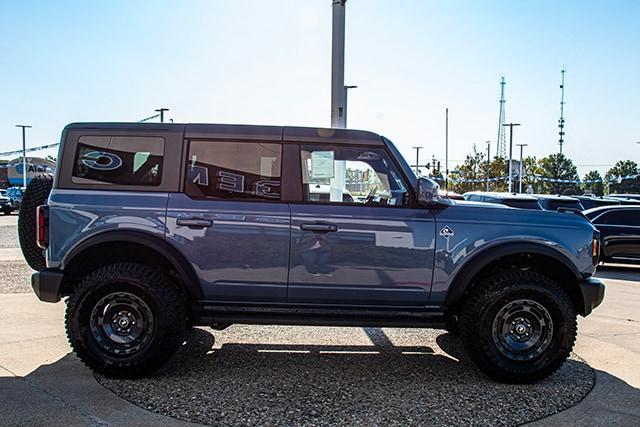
(7, 211)
(125, 320)
(518, 326)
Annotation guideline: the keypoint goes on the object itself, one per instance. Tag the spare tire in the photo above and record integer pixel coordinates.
(35, 195)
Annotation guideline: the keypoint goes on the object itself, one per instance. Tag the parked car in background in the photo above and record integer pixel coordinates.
(551, 202)
(619, 228)
(5, 203)
(15, 196)
(627, 197)
(451, 195)
(514, 200)
(591, 201)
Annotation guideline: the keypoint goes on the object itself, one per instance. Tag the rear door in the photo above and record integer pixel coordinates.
(620, 231)
(355, 238)
(230, 221)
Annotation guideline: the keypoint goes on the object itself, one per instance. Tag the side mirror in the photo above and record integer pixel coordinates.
(428, 193)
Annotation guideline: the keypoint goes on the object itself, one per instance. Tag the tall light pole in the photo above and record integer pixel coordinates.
(161, 111)
(511, 125)
(417, 160)
(520, 173)
(338, 92)
(446, 149)
(488, 161)
(24, 154)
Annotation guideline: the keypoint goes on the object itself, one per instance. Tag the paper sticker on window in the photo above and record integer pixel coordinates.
(322, 164)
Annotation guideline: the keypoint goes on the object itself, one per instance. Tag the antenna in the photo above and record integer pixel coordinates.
(501, 150)
(561, 121)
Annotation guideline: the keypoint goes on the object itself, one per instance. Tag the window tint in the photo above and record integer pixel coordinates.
(122, 160)
(234, 170)
(556, 204)
(523, 204)
(620, 217)
(351, 175)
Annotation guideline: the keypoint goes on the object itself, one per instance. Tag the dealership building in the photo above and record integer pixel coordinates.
(11, 170)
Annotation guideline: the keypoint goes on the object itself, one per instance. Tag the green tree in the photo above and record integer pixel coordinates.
(616, 174)
(558, 166)
(473, 168)
(597, 187)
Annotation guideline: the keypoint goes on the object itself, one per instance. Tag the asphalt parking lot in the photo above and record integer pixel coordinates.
(312, 376)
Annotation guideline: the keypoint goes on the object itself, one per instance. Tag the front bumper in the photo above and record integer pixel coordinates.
(46, 284)
(592, 291)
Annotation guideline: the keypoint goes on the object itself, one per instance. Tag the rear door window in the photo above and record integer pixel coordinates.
(234, 170)
(121, 160)
(620, 217)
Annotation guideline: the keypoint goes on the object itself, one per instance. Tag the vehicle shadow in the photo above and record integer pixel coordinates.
(237, 378)
(302, 385)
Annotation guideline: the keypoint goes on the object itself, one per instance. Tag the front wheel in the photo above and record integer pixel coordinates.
(518, 326)
(125, 320)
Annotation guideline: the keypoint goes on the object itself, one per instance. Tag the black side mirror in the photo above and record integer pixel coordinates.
(428, 193)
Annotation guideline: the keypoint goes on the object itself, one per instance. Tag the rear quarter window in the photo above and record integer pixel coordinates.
(120, 160)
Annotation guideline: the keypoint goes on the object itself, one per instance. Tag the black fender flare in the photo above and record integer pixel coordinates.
(477, 262)
(173, 255)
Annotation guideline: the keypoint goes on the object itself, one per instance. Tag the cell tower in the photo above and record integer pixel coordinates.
(501, 150)
(561, 121)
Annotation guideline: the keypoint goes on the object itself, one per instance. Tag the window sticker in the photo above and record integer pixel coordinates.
(322, 165)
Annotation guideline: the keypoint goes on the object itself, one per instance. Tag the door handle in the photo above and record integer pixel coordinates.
(318, 227)
(194, 222)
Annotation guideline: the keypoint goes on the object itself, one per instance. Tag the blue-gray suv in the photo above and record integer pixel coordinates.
(149, 229)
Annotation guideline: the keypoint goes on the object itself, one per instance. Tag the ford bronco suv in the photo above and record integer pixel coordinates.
(149, 229)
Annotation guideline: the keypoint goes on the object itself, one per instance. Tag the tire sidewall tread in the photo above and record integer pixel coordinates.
(161, 295)
(486, 299)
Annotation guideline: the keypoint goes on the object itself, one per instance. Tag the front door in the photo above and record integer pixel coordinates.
(230, 223)
(355, 240)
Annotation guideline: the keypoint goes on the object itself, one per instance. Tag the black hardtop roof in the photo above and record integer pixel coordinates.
(243, 132)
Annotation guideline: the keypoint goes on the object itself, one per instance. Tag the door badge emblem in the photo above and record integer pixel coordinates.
(446, 231)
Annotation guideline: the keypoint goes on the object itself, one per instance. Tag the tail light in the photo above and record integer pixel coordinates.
(42, 226)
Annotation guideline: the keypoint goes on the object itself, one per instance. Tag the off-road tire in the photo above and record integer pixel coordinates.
(482, 310)
(452, 325)
(153, 288)
(35, 195)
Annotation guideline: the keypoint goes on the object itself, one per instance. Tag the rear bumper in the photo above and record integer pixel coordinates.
(592, 291)
(46, 284)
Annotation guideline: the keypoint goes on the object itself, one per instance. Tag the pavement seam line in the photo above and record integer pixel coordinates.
(94, 420)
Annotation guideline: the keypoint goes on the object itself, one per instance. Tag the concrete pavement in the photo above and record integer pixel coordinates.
(42, 383)
(609, 341)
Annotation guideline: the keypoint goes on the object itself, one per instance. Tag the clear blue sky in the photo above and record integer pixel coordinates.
(268, 62)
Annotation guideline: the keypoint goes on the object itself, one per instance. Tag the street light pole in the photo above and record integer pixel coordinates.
(488, 161)
(446, 149)
(161, 111)
(511, 125)
(24, 154)
(417, 160)
(338, 91)
(520, 173)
